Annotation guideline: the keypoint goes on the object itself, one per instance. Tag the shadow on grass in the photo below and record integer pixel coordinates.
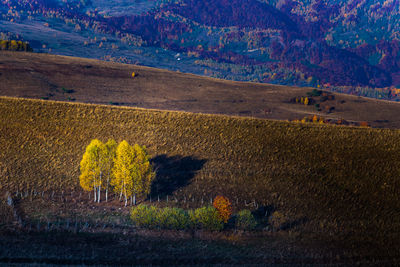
(173, 173)
(293, 224)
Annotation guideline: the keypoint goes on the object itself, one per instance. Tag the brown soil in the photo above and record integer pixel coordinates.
(91, 81)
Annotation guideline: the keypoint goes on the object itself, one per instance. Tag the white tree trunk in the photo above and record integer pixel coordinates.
(107, 189)
(98, 200)
(126, 196)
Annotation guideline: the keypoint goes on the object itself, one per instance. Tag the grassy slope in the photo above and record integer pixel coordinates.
(40, 75)
(334, 180)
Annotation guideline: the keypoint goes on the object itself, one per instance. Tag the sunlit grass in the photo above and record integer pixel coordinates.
(333, 179)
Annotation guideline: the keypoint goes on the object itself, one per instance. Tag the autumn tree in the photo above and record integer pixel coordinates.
(109, 157)
(13, 45)
(92, 168)
(144, 175)
(306, 101)
(224, 207)
(123, 170)
(4, 45)
(133, 172)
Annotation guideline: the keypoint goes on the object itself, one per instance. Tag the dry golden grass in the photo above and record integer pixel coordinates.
(324, 179)
(61, 78)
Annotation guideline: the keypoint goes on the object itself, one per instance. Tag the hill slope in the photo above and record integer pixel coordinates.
(339, 182)
(323, 42)
(84, 80)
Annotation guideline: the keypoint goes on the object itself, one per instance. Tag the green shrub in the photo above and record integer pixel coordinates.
(145, 216)
(173, 218)
(207, 218)
(245, 220)
(314, 92)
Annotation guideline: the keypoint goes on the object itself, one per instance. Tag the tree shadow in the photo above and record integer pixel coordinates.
(173, 172)
(293, 224)
(263, 211)
(262, 214)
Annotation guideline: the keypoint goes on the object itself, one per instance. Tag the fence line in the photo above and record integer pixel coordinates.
(65, 197)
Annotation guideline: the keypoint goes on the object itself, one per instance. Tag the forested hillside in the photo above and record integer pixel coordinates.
(346, 46)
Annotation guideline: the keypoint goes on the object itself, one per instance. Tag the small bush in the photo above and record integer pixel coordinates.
(207, 218)
(224, 207)
(145, 216)
(245, 220)
(314, 92)
(173, 218)
(278, 220)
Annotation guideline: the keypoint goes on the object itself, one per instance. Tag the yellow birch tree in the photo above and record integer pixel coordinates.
(124, 169)
(92, 166)
(133, 173)
(109, 157)
(144, 175)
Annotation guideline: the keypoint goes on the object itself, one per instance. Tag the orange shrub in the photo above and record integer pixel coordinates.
(224, 207)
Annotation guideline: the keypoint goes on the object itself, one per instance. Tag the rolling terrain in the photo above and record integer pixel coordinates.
(335, 187)
(62, 78)
(327, 43)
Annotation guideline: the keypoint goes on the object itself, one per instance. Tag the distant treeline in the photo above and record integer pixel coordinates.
(13, 45)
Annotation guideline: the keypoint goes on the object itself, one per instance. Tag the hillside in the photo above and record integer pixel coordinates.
(336, 187)
(83, 80)
(329, 43)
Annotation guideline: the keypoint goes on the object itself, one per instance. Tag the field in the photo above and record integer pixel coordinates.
(71, 79)
(335, 187)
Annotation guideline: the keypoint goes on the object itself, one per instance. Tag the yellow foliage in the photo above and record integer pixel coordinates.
(268, 154)
(133, 173)
(124, 170)
(91, 166)
(145, 174)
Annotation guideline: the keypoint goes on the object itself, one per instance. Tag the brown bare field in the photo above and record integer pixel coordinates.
(335, 187)
(64, 78)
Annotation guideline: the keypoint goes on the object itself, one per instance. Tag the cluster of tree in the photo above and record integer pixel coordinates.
(230, 13)
(123, 168)
(303, 100)
(212, 218)
(384, 54)
(175, 218)
(47, 5)
(299, 44)
(14, 45)
(322, 120)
